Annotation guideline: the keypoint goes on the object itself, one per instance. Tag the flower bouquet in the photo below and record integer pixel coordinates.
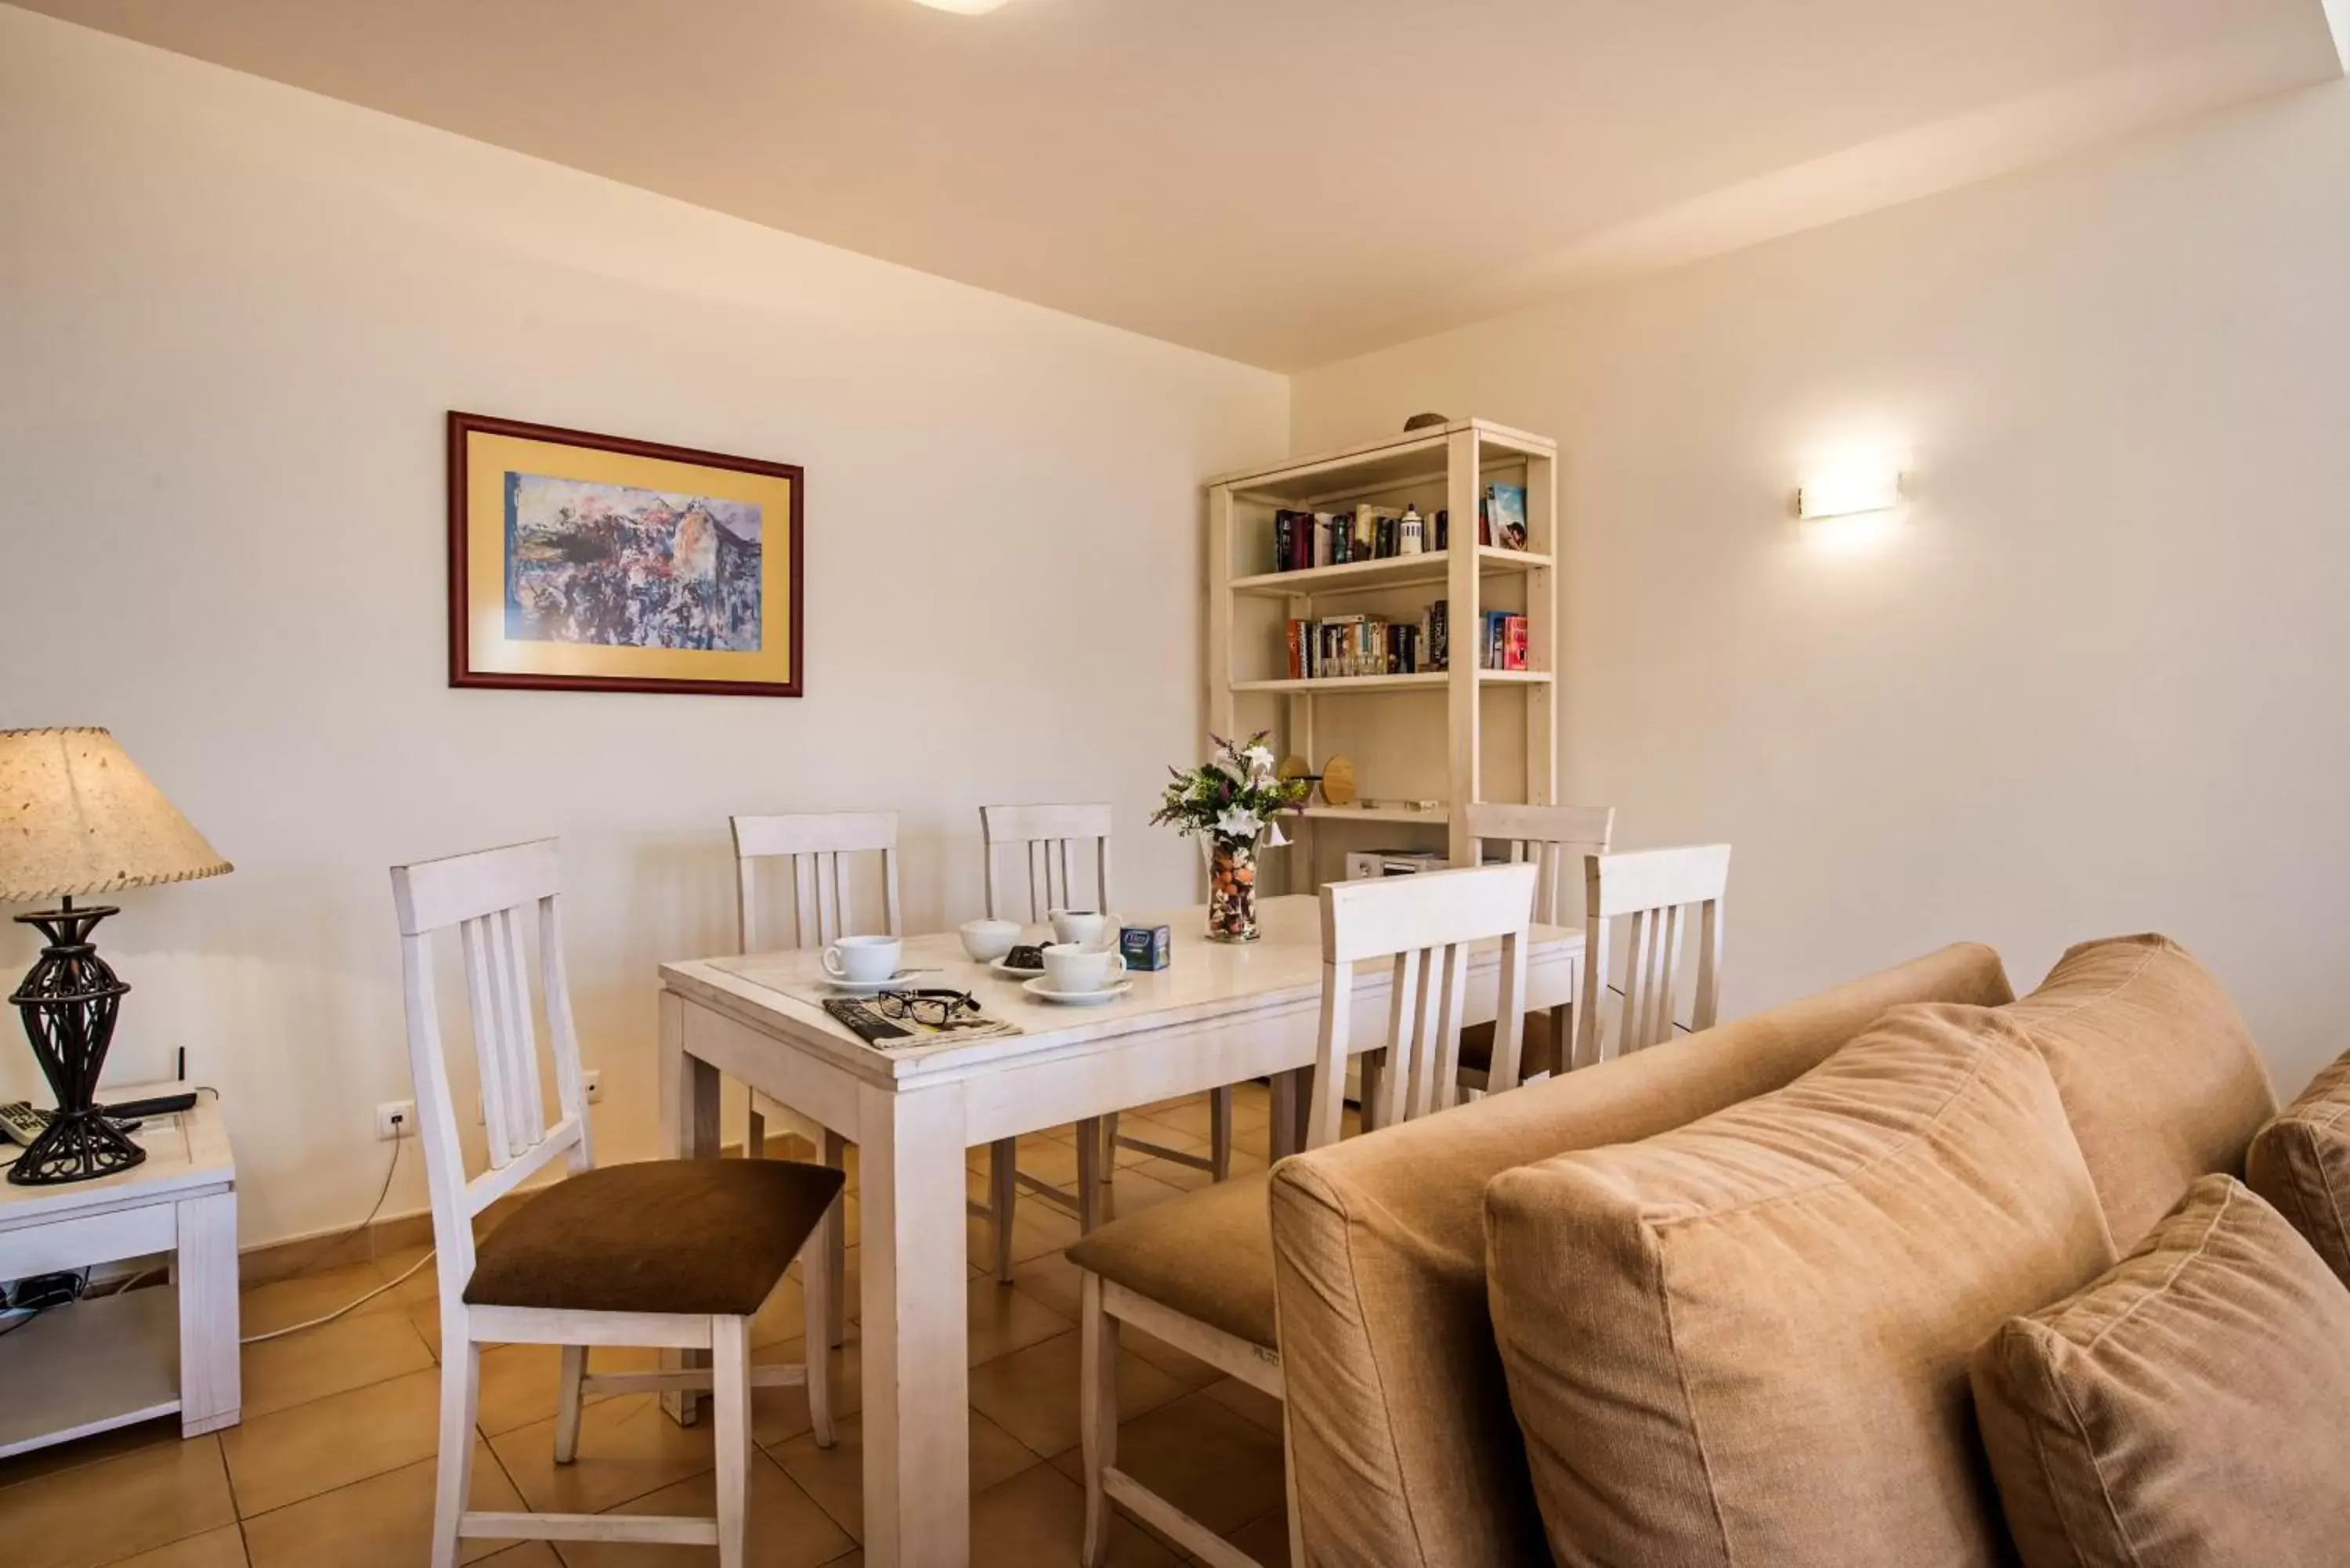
(1234, 799)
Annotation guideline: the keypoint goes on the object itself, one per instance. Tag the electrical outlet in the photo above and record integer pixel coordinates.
(395, 1118)
(592, 1080)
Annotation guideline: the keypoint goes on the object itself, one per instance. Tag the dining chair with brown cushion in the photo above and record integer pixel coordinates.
(2191, 1406)
(1197, 1271)
(677, 1254)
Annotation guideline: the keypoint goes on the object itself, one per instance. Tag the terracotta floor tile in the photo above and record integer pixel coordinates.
(835, 1477)
(350, 1353)
(1039, 1517)
(291, 1454)
(524, 1554)
(221, 1547)
(1221, 1468)
(1033, 1393)
(787, 1530)
(1182, 1366)
(1254, 1404)
(116, 1507)
(1245, 1161)
(1003, 1319)
(779, 1414)
(522, 1383)
(306, 1296)
(1265, 1537)
(627, 1447)
(383, 1522)
(1051, 1280)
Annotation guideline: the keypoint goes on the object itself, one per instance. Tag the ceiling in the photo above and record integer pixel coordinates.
(1281, 182)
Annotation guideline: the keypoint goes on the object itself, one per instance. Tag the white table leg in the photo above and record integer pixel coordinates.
(205, 1263)
(914, 1334)
(689, 1105)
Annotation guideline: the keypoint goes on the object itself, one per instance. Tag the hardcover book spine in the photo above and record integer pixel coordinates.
(1297, 651)
(1513, 651)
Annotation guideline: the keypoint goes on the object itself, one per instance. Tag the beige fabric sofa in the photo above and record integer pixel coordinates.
(1404, 1446)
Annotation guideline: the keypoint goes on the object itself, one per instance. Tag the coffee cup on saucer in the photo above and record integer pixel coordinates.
(1072, 969)
(862, 960)
(1082, 927)
(987, 940)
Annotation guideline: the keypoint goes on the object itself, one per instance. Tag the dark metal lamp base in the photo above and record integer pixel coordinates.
(77, 1146)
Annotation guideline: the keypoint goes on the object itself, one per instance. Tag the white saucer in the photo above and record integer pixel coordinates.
(897, 981)
(1035, 988)
(1007, 971)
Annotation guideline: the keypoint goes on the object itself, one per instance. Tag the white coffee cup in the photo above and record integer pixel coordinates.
(987, 940)
(1082, 927)
(862, 960)
(1073, 970)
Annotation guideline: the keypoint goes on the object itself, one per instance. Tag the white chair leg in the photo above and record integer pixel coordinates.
(461, 1371)
(1003, 1189)
(566, 1410)
(816, 1289)
(835, 1230)
(754, 1136)
(730, 1366)
(1220, 1132)
(1097, 1413)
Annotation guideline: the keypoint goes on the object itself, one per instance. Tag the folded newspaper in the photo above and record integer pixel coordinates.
(870, 1022)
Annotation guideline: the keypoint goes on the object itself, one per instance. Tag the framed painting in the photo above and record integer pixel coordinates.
(591, 563)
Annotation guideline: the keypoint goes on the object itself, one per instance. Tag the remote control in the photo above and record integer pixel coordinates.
(20, 1123)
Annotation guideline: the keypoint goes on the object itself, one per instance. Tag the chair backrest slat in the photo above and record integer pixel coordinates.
(1422, 928)
(485, 897)
(815, 848)
(1047, 837)
(1555, 839)
(1652, 891)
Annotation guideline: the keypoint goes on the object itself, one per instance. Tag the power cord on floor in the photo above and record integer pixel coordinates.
(398, 1137)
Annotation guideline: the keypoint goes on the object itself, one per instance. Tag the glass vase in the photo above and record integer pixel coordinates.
(1231, 891)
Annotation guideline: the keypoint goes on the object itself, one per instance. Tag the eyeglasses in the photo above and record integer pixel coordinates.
(935, 1008)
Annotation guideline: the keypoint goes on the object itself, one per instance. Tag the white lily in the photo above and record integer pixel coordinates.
(1239, 823)
(1260, 764)
(1275, 839)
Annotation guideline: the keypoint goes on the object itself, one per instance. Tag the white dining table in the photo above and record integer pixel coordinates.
(1219, 1014)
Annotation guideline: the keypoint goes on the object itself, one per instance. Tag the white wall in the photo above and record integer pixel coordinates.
(2092, 683)
(231, 318)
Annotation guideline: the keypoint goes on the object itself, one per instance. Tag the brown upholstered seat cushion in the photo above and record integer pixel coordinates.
(668, 1235)
(2301, 1164)
(1405, 1450)
(1745, 1341)
(1537, 1052)
(2191, 1406)
(2159, 1075)
(1208, 1254)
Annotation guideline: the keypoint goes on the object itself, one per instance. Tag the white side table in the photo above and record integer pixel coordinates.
(82, 1368)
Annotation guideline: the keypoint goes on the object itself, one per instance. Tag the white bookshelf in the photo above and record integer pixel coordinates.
(1459, 735)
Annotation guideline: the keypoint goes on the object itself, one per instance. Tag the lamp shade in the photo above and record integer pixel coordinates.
(78, 816)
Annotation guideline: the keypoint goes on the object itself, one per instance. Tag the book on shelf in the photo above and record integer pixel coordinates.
(1502, 516)
(1303, 540)
(1501, 640)
(1338, 647)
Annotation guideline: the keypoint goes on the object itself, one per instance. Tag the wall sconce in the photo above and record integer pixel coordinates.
(1850, 488)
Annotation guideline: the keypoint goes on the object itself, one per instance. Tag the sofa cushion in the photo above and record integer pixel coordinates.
(1208, 1254)
(2191, 1406)
(2301, 1164)
(663, 1235)
(1404, 1449)
(2159, 1075)
(1745, 1341)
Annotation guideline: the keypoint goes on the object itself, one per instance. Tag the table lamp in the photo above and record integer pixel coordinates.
(77, 817)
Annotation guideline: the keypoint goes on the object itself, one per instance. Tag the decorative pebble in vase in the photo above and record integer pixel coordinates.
(1231, 891)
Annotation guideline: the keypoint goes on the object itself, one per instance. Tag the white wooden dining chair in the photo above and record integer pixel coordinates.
(1654, 892)
(677, 1254)
(1055, 842)
(1196, 1272)
(1556, 839)
(811, 846)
